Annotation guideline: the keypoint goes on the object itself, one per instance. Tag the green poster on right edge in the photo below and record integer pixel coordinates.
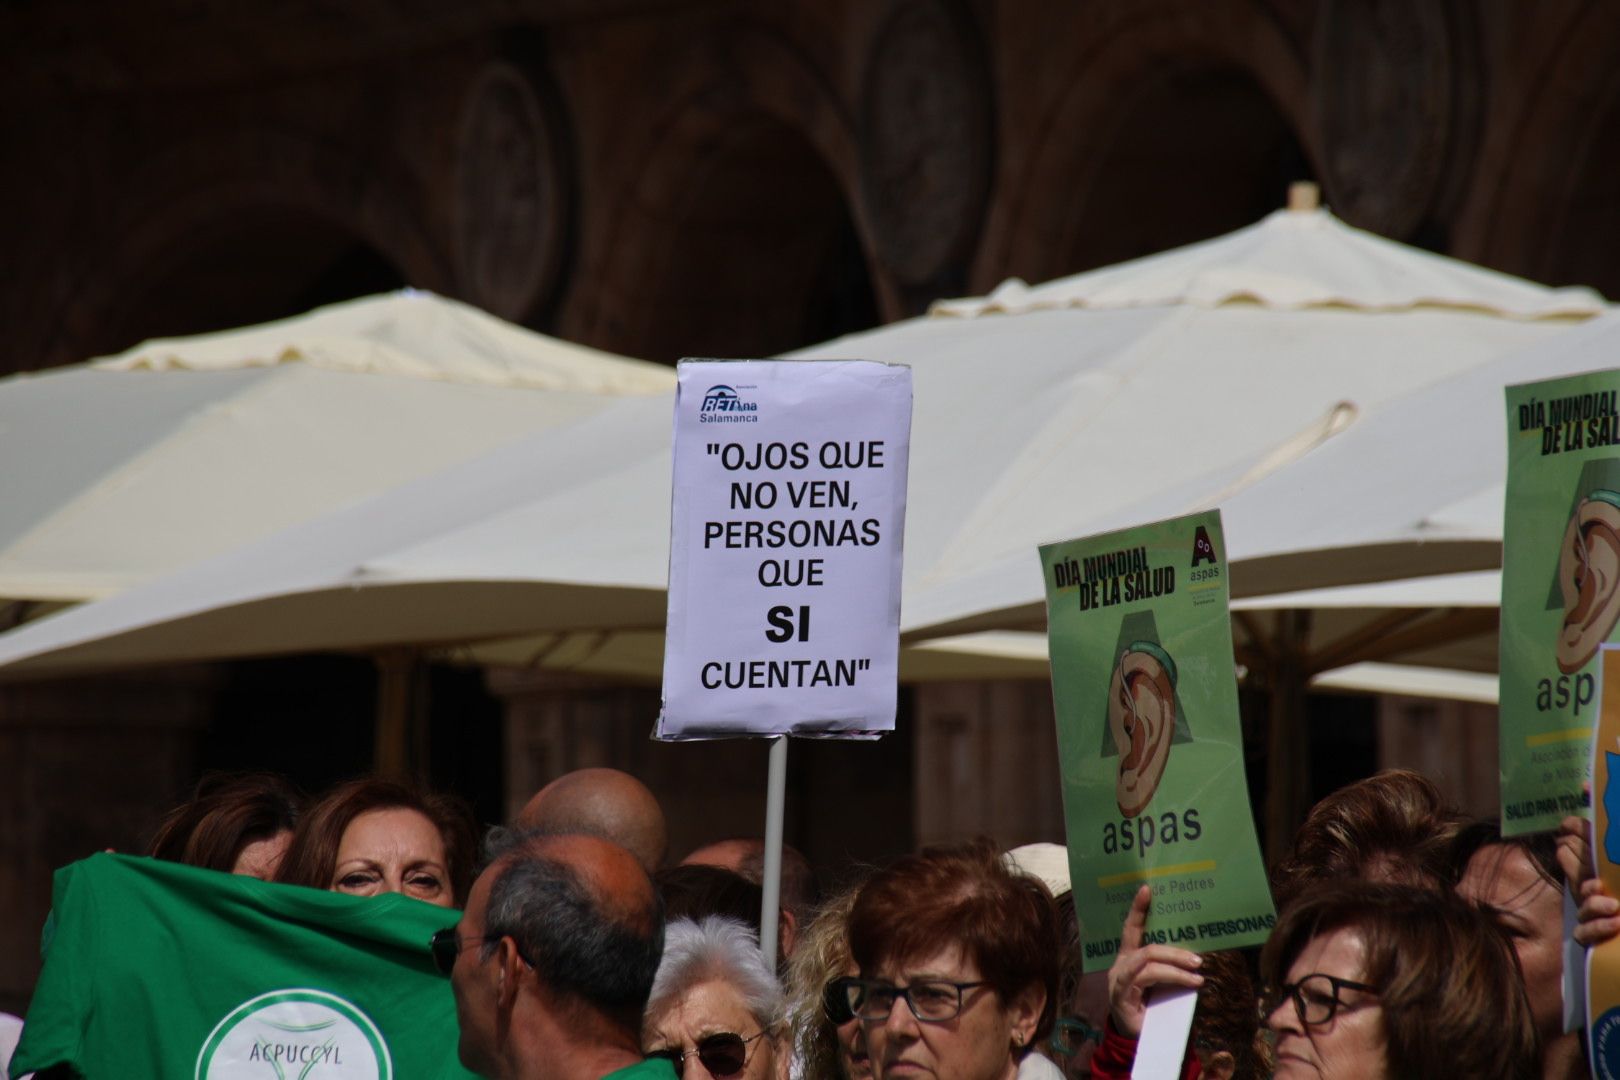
(1151, 748)
(1560, 590)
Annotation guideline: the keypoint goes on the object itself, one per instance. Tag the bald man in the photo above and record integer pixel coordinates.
(746, 856)
(555, 957)
(602, 802)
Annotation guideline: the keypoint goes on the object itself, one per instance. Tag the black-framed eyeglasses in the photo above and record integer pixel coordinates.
(931, 1000)
(835, 1000)
(1316, 997)
(446, 945)
(1070, 1035)
(722, 1054)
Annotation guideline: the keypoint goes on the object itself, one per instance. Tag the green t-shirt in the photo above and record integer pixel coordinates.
(655, 1069)
(156, 970)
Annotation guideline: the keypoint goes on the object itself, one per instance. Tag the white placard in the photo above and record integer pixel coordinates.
(1574, 969)
(1165, 1027)
(784, 556)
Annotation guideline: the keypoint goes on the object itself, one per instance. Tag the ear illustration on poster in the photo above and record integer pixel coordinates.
(1589, 579)
(1142, 719)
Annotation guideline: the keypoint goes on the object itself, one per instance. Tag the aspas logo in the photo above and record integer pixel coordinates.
(723, 404)
(297, 1034)
(1203, 549)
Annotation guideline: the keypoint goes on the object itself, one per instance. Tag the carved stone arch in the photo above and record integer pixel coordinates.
(736, 174)
(1397, 94)
(512, 192)
(1549, 212)
(229, 187)
(927, 144)
(1043, 211)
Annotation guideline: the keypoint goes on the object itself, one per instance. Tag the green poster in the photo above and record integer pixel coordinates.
(1145, 691)
(1560, 590)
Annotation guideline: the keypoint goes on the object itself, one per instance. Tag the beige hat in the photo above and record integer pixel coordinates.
(1048, 862)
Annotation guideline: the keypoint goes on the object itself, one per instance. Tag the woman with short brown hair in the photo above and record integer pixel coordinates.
(958, 958)
(1394, 827)
(238, 823)
(372, 836)
(1371, 981)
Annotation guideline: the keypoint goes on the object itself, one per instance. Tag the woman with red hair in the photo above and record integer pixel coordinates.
(371, 836)
(958, 956)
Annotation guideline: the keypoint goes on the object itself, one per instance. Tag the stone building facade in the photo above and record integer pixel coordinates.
(676, 177)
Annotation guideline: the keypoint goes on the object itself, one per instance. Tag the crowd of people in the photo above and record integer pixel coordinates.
(1410, 942)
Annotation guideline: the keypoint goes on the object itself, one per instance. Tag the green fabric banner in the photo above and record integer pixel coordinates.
(1560, 590)
(156, 970)
(1145, 692)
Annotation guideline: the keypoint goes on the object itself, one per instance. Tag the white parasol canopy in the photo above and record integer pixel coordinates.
(125, 469)
(1070, 409)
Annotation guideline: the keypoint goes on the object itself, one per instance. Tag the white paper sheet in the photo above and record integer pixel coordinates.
(1574, 971)
(1165, 1028)
(785, 548)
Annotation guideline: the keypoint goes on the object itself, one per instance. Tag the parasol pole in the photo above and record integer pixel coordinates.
(1288, 759)
(399, 748)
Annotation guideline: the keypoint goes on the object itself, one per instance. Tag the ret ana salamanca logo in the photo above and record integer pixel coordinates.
(295, 1035)
(723, 404)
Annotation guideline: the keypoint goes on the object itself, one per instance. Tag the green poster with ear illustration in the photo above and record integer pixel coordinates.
(1560, 590)
(1150, 745)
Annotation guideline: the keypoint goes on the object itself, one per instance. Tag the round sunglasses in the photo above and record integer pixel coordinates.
(723, 1054)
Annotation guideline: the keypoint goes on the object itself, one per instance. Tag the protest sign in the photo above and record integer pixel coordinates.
(785, 542)
(1560, 590)
(1603, 961)
(153, 969)
(1145, 691)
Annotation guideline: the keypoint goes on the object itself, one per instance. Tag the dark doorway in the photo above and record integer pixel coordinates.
(1190, 155)
(754, 252)
(246, 269)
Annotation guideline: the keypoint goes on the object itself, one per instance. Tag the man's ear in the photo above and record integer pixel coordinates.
(787, 932)
(1025, 1012)
(1220, 1066)
(509, 972)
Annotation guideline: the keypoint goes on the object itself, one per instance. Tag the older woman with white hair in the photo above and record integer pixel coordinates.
(716, 1010)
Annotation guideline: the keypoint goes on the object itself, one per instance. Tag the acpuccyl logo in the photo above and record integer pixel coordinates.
(309, 1034)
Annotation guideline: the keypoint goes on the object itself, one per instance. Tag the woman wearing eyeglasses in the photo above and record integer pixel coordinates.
(1372, 981)
(715, 1010)
(827, 1037)
(958, 958)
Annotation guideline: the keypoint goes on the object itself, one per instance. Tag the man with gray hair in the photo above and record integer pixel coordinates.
(553, 960)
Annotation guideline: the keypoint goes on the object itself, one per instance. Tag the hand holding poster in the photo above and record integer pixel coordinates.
(1560, 589)
(153, 969)
(1145, 692)
(784, 564)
